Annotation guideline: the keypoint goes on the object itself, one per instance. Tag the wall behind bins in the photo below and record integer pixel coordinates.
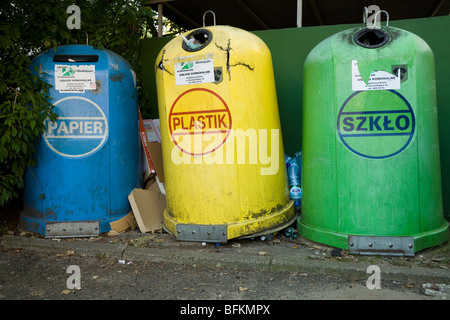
(289, 48)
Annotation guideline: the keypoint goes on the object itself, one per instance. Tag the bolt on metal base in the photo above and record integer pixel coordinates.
(388, 246)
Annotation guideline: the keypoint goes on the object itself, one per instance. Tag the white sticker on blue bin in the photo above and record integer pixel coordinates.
(74, 79)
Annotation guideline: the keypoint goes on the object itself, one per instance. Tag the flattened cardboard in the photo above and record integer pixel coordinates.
(148, 207)
(124, 223)
(156, 153)
(144, 139)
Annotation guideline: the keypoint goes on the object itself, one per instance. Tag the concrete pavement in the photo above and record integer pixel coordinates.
(280, 254)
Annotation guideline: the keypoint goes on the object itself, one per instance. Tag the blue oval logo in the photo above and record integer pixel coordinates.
(376, 124)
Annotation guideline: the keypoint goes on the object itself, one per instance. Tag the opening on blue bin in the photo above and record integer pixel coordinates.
(75, 58)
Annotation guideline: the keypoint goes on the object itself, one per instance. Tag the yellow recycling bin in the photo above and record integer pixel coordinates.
(222, 146)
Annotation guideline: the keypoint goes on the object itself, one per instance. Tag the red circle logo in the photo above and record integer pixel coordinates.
(199, 122)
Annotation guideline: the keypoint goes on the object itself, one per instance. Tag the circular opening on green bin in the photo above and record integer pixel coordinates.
(371, 38)
(197, 40)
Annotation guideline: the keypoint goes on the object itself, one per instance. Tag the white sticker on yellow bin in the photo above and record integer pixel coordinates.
(194, 72)
(74, 79)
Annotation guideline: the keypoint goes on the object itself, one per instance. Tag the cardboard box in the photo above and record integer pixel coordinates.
(151, 127)
(124, 223)
(148, 207)
(151, 140)
(155, 151)
(149, 168)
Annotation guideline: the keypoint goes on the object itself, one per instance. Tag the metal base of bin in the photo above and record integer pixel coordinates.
(385, 246)
(221, 233)
(272, 230)
(405, 245)
(65, 229)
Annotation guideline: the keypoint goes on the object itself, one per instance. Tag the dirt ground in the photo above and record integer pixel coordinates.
(29, 276)
(44, 276)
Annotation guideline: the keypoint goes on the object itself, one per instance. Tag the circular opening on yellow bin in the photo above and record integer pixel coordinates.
(197, 40)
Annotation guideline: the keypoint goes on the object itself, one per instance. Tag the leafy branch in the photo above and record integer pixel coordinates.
(27, 29)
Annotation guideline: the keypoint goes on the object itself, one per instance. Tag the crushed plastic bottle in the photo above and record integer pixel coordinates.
(287, 158)
(290, 233)
(192, 42)
(294, 170)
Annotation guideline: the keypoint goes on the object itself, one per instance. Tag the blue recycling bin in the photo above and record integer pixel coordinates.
(88, 160)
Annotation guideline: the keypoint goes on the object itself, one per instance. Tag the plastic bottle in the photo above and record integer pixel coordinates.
(192, 42)
(269, 236)
(298, 158)
(290, 233)
(287, 159)
(293, 170)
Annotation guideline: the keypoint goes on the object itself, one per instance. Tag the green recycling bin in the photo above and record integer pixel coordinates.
(371, 168)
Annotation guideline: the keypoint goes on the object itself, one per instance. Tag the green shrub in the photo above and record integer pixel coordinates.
(31, 27)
